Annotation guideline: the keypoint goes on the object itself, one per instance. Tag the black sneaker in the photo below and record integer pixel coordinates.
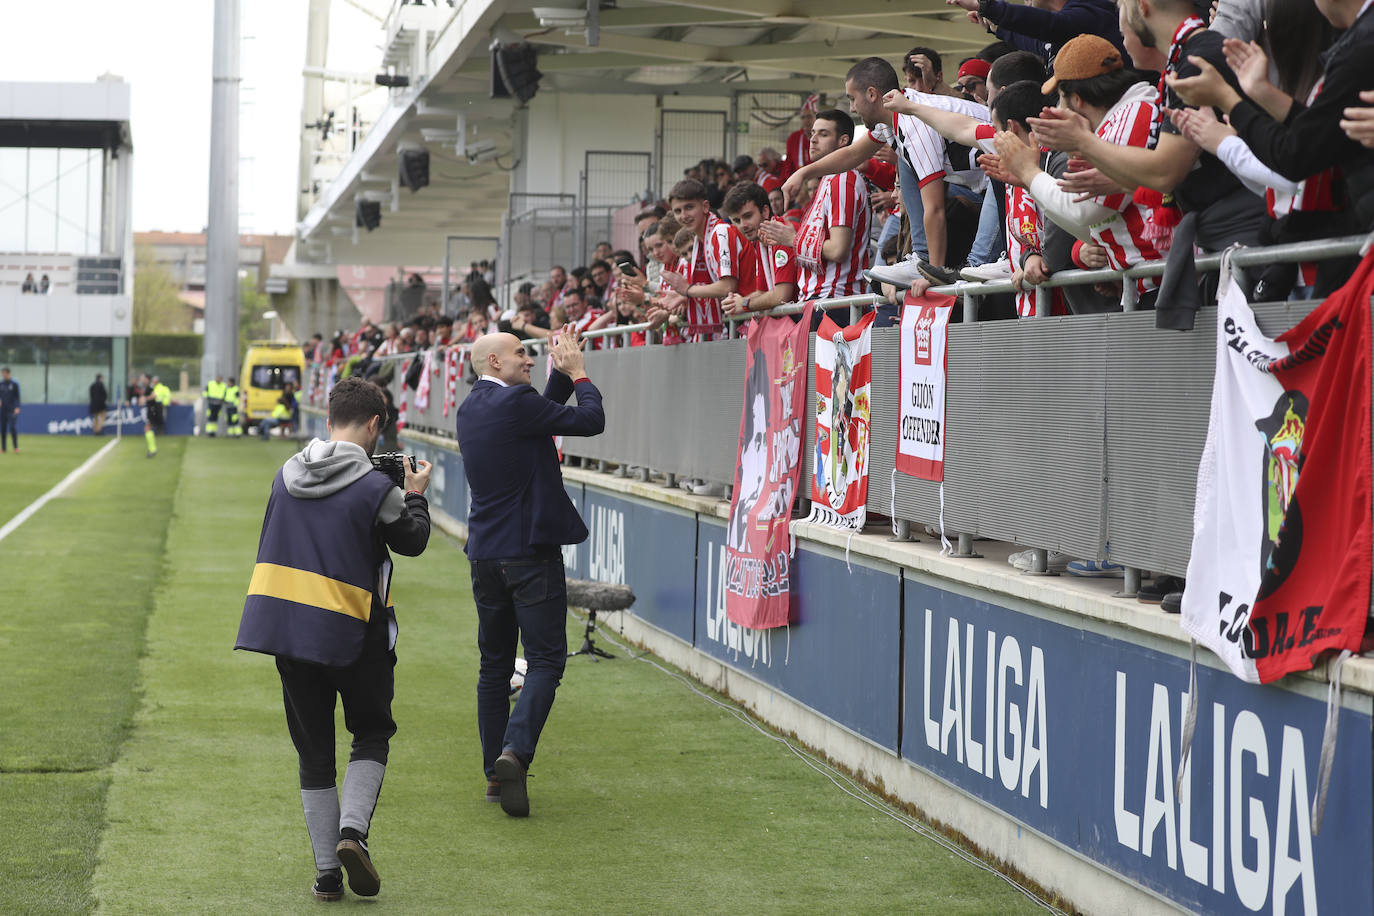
(363, 879)
(1172, 603)
(1153, 592)
(939, 276)
(328, 885)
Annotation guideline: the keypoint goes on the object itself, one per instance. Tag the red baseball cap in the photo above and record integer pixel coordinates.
(975, 67)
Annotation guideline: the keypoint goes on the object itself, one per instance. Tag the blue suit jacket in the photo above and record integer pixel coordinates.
(518, 501)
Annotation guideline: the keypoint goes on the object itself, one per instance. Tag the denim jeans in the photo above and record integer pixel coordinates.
(521, 599)
(987, 244)
(912, 207)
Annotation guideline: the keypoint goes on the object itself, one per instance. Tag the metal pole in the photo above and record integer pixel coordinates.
(1042, 302)
(222, 236)
(970, 308)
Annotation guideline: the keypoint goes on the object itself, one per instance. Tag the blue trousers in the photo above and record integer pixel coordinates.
(525, 599)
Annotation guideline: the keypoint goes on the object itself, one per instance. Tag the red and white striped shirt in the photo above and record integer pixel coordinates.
(765, 266)
(841, 201)
(717, 253)
(1024, 224)
(1128, 123)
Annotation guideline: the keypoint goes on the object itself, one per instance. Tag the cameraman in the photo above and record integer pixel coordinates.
(320, 602)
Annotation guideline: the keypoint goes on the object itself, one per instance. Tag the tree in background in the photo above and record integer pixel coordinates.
(252, 326)
(157, 301)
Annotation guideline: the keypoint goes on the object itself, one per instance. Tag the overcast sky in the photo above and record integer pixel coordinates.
(163, 49)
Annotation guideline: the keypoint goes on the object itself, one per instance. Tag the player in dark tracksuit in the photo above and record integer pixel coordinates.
(9, 408)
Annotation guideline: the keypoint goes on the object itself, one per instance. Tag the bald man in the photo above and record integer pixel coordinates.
(519, 518)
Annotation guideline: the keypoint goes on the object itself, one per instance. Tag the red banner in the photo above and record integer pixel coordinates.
(1314, 591)
(772, 431)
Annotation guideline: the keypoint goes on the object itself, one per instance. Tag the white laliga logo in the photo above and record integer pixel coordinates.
(1275, 868)
(606, 546)
(1017, 744)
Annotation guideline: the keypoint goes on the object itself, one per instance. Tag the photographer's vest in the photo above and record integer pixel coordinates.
(214, 391)
(320, 574)
(231, 398)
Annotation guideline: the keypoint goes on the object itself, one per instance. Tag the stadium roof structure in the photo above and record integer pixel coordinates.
(687, 47)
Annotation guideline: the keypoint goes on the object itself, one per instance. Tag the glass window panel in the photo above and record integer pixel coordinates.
(27, 360)
(11, 198)
(74, 174)
(42, 209)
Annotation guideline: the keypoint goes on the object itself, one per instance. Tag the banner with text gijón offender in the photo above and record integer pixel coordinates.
(758, 573)
(1280, 565)
(839, 479)
(921, 386)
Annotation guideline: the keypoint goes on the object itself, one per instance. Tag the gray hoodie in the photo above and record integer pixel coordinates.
(324, 467)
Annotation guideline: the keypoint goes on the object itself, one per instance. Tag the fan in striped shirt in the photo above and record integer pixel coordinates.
(713, 264)
(768, 276)
(832, 243)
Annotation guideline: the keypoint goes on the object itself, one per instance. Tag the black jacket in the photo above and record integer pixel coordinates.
(1043, 32)
(1310, 139)
(505, 434)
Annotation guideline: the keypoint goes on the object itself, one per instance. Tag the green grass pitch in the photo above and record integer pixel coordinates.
(145, 766)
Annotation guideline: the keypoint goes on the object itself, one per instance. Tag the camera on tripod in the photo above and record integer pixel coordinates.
(393, 465)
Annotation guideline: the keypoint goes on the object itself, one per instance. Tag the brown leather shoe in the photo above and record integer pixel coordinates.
(510, 773)
(493, 790)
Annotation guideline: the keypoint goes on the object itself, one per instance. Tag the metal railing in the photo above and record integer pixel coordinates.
(1052, 443)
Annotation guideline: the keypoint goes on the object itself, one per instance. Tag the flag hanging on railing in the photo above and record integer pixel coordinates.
(839, 478)
(921, 386)
(772, 433)
(453, 369)
(403, 408)
(422, 386)
(1280, 565)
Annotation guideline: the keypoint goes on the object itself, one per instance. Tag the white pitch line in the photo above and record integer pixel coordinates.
(56, 491)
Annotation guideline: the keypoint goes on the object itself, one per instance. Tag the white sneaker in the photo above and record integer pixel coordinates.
(1021, 556)
(901, 275)
(1057, 562)
(997, 270)
(702, 488)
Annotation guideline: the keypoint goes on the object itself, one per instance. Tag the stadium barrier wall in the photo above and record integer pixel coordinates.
(75, 419)
(1040, 719)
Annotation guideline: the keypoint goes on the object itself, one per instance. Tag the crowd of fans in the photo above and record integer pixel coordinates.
(1089, 134)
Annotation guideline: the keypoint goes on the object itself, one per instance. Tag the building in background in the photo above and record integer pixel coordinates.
(66, 236)
(182, 256)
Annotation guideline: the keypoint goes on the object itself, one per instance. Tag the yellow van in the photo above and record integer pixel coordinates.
(267, 367)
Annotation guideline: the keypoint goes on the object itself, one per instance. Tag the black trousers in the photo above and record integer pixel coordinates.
(366, 688)
(8, 423)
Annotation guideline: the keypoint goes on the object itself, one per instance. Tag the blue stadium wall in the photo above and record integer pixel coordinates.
(75, 420)
(1069, 727)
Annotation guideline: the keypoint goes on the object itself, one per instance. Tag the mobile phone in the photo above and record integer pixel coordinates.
(626, 267)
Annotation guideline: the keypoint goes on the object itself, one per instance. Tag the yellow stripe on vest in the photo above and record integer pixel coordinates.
(311, 589)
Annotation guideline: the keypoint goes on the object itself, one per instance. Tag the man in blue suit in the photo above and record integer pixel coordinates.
(519, 518)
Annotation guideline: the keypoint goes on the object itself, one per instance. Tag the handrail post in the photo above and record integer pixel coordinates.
(970, 307)
(1042, 302)
(1129, 298)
